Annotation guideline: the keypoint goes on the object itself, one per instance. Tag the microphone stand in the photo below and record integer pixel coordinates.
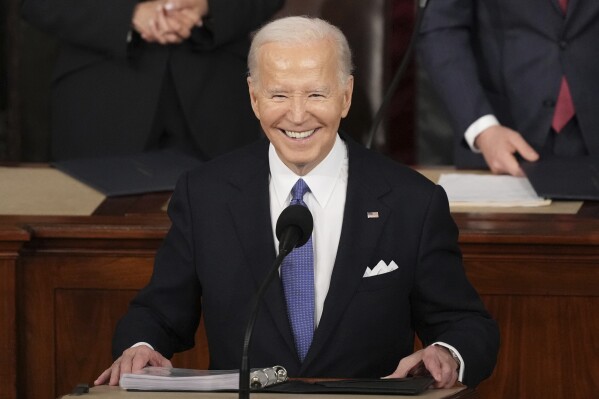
(244, 373)
(398, 74)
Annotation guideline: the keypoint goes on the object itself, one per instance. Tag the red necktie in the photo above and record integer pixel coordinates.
(564, 107)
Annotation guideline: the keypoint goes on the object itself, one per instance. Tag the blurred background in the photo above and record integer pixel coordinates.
(415, 129)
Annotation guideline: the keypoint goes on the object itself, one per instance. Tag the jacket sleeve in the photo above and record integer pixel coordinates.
(446, 306)
(99, 25)
(166, 313)
(446, 53)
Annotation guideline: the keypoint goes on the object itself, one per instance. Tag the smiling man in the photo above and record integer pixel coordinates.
(382, 265)
(299, 97)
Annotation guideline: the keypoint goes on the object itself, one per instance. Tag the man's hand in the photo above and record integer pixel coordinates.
(498, 145)
(434, 360)
(168, 21)
(132, 359)
(192, 10)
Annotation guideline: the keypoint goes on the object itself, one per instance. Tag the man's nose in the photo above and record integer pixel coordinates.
(297, 111)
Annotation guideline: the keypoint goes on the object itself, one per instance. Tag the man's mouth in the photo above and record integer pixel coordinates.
(299, 135)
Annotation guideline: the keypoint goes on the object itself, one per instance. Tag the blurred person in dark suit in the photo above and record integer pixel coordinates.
(519, 78)
(135, 76)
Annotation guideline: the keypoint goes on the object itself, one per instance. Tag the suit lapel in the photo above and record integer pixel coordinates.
(359, 236)
(251, 215)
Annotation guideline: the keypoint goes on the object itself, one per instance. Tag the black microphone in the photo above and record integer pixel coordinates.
(397, 76)
(293, 229)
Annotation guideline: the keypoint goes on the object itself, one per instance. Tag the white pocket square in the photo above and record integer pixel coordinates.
(380, 268)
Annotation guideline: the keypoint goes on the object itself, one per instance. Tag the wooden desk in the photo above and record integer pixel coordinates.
(105, 392)
(67, 280)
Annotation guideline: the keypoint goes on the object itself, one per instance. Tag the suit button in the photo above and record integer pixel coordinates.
(563, 44)
(549, 103)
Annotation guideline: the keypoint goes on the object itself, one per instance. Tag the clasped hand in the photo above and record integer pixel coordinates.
(168, 21)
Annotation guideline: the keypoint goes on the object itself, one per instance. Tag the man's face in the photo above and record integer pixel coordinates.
(299, 101)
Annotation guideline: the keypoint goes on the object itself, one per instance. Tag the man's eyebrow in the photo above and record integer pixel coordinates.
(281, 90)
(322, 89)
(275, 90)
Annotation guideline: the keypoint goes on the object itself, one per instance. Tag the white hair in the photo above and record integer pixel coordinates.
(299, 30)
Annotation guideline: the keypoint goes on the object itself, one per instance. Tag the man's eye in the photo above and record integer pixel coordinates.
(316, 95)
(279, 96)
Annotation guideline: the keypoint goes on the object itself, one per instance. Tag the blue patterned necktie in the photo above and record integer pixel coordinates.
(297, 273)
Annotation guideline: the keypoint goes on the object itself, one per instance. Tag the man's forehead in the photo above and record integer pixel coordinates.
(310, 53)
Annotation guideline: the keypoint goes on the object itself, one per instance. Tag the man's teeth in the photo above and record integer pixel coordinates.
(299, 135)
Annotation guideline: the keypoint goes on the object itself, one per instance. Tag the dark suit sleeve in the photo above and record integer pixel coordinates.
(446, 306)
(166, 312)
(99, 25)
(445, 48)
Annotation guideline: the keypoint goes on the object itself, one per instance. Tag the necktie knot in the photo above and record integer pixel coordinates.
(297, 192)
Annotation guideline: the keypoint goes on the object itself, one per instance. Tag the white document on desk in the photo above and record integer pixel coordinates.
(468, 189)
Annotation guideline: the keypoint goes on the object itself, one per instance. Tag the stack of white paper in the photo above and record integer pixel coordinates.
(160, 378)
(176, 379)
(489, 190)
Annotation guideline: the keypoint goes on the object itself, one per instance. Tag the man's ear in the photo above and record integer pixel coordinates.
(347, 96)
(253, 97)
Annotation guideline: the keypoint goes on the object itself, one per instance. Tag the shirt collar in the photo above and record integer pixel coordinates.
(321, 179)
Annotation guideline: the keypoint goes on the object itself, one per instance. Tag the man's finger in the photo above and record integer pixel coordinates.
(173, 5)
(138, 362)
(524, 149)
(441, 366)
(102, 378)
(115, 374)
(511, 165)
(406, 364)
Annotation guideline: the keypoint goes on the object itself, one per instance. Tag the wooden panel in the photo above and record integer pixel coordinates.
(74, 303)
(84, 323)
(549, 348)
(524, 274)
(49, 326)
(8, 330)
(11, 240)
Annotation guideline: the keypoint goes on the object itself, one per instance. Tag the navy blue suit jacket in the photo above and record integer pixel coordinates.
(221, 247)
(507, 57)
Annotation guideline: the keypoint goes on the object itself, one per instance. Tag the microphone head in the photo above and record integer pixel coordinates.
(296, 216)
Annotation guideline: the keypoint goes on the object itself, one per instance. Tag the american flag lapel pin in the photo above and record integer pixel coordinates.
(372, 215)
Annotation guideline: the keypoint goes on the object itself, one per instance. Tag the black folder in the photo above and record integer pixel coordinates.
(130, 174)
(575, 178)
(374, 386)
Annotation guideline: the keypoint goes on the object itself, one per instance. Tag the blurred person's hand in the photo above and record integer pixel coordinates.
(168, 21)
(499, 145)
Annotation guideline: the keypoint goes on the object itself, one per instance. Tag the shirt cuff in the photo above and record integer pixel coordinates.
(479, 125)
(455, 353)
(142, 343)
